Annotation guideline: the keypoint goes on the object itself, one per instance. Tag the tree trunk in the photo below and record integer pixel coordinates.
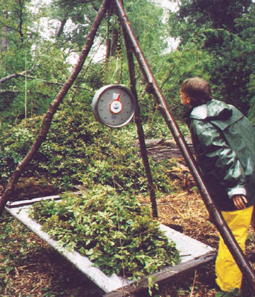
(61, 27)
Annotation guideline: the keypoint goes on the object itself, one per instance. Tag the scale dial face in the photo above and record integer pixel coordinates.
(113, 106)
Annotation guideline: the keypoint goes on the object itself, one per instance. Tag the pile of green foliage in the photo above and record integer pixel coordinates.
(113, 231)
(80, 151)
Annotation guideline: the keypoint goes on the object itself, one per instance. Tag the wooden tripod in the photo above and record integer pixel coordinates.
(152, 87)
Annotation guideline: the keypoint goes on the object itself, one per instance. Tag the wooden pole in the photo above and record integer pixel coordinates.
(46, 123)
(153, 88)
(139, 126)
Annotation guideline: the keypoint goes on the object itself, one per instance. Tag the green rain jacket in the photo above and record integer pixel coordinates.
(224, 144)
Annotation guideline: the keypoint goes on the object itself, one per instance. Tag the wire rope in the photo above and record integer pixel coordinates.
(107, 46)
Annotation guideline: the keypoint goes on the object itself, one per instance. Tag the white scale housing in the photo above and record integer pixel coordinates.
(113, 106)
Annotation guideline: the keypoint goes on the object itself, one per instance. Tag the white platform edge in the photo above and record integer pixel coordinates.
(189, 249)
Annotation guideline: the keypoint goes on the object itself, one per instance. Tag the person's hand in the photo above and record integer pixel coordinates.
(240, 201)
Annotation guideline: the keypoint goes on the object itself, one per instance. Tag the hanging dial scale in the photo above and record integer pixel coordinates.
(113, 106)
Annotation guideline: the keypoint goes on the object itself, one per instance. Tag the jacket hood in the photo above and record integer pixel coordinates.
(212, 110)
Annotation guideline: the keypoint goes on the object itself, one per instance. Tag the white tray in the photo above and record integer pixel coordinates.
(188, 248)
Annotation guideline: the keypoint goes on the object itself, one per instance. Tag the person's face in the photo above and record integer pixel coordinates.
(185, 100)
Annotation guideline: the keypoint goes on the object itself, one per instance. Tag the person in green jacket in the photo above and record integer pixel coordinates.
(224, 144)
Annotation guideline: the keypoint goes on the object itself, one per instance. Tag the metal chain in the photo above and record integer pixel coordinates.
(119, 52)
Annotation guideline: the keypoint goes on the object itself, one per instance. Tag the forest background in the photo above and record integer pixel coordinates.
(40, 42)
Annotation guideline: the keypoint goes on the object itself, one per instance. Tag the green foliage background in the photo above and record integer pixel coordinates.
(80, 151)
(211, 45)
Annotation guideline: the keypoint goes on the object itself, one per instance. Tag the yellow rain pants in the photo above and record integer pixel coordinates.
(227, 271)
